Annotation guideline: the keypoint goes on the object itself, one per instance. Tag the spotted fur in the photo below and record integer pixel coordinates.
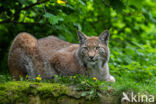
(49, 56)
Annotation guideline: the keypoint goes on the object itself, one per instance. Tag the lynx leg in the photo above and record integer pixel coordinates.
(110, 79)
(15, 64)
(24, 57)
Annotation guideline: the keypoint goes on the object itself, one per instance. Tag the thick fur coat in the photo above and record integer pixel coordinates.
(49, 56)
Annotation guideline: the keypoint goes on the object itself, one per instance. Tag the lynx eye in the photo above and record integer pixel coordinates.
(96, 48)
(86, 48)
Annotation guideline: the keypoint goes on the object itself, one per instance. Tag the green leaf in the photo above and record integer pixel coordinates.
(118, 5)
(48, 15)
(84, 93)
(137, 3)
(25, 2)
(92, 92)
(52, 18)
(99, 94)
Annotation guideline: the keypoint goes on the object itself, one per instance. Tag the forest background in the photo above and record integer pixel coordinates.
(132, 25)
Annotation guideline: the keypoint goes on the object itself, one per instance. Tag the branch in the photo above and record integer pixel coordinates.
(15, 22)
(5, 21)
(26, 22)
(37, 3)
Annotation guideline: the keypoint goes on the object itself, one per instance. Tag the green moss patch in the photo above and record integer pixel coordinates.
(20, 91)
(15, 92)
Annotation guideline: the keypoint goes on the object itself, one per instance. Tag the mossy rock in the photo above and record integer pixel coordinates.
(25, 92)
(22, 92)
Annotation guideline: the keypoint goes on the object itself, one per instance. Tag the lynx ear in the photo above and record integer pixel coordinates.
(81, 37)
(104, 37)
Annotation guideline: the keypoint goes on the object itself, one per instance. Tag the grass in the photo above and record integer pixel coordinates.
(86, 87)
(94, 87)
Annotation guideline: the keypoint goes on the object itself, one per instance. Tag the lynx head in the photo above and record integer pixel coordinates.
(92, 49)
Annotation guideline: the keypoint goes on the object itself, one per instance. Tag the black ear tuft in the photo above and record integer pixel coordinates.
(81, 37)
(104, 37)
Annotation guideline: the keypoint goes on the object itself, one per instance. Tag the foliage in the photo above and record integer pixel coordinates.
(95, 88)
(4, 78)
(91, 87)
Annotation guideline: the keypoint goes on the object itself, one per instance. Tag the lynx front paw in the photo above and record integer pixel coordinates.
(110, 79)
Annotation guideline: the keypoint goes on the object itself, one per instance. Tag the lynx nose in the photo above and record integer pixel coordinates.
(91, 57)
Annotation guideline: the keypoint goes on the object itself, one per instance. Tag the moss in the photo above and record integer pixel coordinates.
(13, 92)
(3, 96)
(52, 89)
(18, 91)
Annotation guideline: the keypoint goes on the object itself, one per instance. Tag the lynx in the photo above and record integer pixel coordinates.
(49, 56)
